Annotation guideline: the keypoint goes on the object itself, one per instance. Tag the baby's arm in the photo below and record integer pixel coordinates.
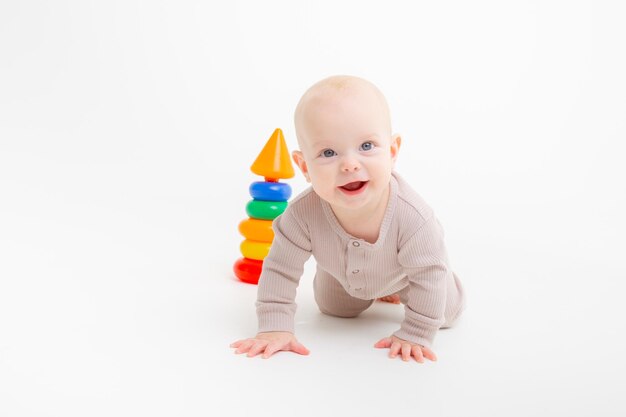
(269, 343)
(276, 307)
(424, 258)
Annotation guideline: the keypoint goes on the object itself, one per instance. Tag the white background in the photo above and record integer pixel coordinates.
(127, 129)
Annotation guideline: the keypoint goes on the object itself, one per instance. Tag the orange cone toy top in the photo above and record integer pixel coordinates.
(274, 161)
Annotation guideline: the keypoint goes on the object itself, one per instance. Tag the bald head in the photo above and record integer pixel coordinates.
(336, 97)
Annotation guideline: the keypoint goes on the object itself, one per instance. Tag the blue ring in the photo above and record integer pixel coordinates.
(270, 191)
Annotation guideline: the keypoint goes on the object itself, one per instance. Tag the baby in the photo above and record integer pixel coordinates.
(371, 235)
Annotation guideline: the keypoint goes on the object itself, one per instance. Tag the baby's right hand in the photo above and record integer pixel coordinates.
(269, 343)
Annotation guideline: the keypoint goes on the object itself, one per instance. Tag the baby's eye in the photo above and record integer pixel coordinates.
(328, 153)
(367, 146)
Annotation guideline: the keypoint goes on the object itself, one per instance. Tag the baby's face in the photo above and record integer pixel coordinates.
(347, 151)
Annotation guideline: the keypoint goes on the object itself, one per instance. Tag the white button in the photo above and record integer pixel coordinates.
(355, 243)
(356, 271)
(358, 289)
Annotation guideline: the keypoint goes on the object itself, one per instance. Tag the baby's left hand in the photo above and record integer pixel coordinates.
(407, 349)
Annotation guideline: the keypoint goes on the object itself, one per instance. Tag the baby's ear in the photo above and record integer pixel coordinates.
(396, 141)
(298, 158)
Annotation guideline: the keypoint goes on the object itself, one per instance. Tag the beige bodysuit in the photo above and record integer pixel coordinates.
(408, 258)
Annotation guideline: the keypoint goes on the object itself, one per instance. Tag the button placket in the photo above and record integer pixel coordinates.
(353, 270)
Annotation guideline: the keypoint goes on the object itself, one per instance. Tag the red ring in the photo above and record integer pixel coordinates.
(248, 270)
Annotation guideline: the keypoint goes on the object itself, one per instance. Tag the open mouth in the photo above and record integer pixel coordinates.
(353, 187)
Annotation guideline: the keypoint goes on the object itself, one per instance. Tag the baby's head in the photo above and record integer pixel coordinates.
(347, 150)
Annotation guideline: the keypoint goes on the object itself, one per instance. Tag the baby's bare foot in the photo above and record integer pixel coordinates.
(393, 299)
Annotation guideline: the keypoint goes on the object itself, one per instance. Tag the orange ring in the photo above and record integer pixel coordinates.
(256, 229)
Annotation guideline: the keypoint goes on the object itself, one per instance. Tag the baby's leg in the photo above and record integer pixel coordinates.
(454, 303)
(333, 299)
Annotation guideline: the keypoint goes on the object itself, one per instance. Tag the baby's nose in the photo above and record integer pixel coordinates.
(350, 165)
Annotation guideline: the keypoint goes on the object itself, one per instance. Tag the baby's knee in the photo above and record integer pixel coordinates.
(339, 313)
(333, 300)
(342, 306)
(452, 322)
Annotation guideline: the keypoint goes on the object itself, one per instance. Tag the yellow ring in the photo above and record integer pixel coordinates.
(255, 250)
(255, 229)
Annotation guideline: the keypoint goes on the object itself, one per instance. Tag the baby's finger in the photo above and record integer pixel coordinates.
(237, 343)
(429, 354)
(383, 343)
(406, 351)
(245, 346)
(394, 349)
(417, 354)
(299, 348)
(258, 347)
(271, 348)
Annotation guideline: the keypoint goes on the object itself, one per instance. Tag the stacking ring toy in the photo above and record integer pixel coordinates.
(255, 250)
(248, 270)
(255, 229)
(265, 210)
(270, 191)
(269, 200)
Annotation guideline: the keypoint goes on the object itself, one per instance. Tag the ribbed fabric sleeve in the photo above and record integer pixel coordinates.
(282, 269)
(424, 259)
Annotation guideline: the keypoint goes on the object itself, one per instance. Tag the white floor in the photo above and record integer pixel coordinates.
(126, 133)
(132, 312)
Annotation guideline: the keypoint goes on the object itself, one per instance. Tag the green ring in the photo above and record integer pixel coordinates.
(265, 210)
